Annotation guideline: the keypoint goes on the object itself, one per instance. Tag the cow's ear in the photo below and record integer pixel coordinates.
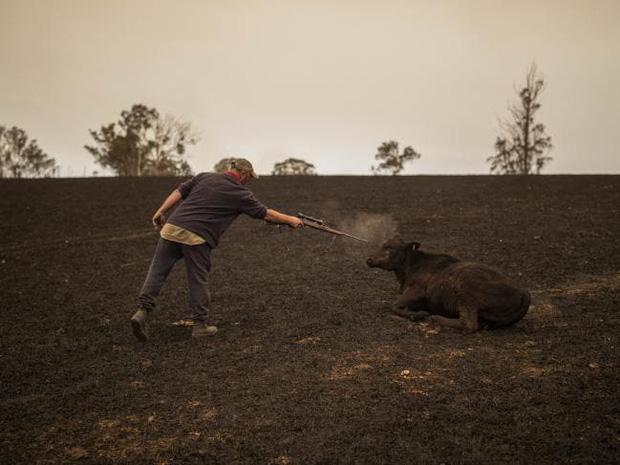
(415, 245)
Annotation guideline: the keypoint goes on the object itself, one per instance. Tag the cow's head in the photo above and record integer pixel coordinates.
(392, 254)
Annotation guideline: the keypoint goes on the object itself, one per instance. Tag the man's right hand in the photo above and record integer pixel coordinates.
(295, 222)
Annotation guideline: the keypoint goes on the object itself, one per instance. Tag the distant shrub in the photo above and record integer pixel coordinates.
(293, 166)
(393, 162)
(223, 165)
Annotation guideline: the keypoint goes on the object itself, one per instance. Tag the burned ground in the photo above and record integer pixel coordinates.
(309, 366)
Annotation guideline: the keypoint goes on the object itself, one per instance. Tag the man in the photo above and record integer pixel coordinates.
(210, 203)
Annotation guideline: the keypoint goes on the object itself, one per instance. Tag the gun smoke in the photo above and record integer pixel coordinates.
(374, 227)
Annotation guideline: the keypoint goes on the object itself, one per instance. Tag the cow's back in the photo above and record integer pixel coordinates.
(500, 301)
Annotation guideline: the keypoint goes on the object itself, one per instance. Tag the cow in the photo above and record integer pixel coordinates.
(448, 291)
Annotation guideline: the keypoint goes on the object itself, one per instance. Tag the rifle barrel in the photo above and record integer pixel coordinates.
(355, 237)
(327, 229)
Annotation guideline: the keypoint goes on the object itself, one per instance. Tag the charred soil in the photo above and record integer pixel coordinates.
(309, 365)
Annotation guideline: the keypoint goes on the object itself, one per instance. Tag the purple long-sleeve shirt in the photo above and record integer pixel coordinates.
(211, 202)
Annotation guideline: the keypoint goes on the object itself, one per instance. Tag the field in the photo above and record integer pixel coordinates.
(310, 366)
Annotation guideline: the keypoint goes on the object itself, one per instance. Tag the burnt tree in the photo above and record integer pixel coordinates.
(522, 147)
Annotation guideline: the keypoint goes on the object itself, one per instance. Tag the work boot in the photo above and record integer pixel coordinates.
(201, 329)
(138, 325)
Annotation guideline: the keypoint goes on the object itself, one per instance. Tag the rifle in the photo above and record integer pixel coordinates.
(321, 226)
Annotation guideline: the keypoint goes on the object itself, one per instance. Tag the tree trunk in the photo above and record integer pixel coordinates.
(526, 137)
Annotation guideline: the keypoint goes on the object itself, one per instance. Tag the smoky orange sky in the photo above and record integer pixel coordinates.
(326, 81)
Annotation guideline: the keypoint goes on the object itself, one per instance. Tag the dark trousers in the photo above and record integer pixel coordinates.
(197, 263)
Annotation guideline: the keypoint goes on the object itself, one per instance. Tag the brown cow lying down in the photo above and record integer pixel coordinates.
(453, 293)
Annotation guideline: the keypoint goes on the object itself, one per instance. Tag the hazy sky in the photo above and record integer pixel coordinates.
(327, 81)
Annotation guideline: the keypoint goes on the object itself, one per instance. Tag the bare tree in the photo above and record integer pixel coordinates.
(21, 157)
(522, 147)
(168, 149)
(391, 160)
(293, 166)
(4, 155)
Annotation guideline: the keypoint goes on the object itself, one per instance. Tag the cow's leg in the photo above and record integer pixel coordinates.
(403, 305)
(457, 323)
(467, 320)
(470, 315)
(410, 314)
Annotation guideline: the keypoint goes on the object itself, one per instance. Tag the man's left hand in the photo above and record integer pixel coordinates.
(158, 220)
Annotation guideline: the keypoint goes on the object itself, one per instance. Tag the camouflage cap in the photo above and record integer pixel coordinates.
(243, 166)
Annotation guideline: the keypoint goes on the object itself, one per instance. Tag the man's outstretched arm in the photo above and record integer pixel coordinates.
(158, 218)
(274, 216)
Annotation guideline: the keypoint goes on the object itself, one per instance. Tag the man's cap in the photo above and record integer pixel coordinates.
(243, 166)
